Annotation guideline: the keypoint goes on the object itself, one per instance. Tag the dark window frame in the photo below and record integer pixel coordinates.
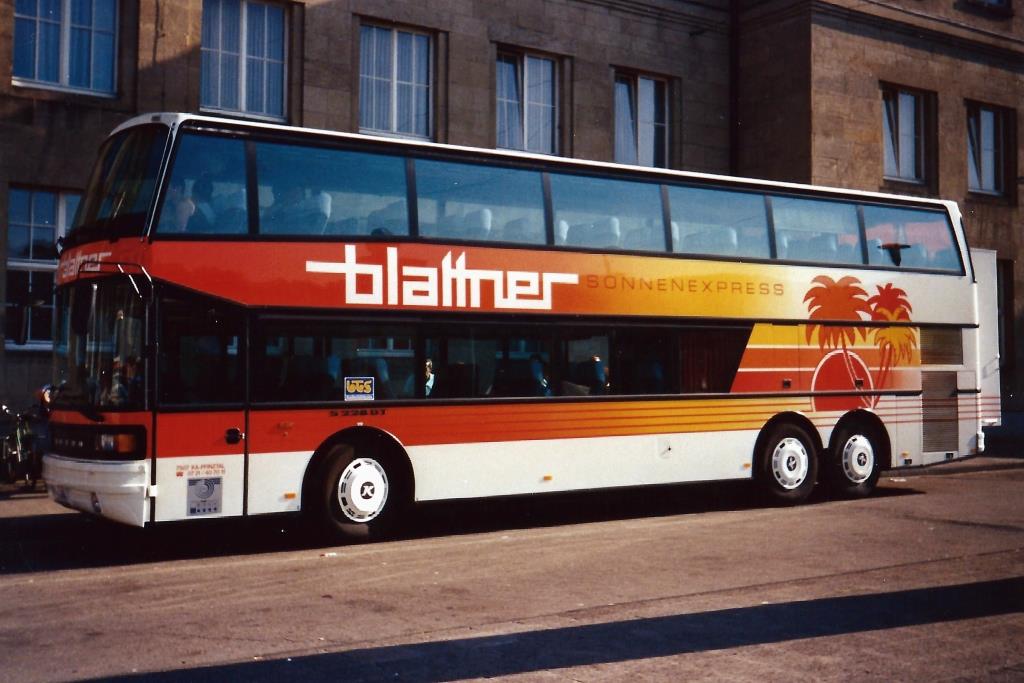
(926, 135)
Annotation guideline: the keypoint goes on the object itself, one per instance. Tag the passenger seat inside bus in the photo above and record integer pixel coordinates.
(720, 240)
(602, 233)
(476, 225)
(521, 230)
(650, 237)
(393, 219)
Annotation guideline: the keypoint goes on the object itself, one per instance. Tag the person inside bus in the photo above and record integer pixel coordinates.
(178, 208)
(428, 376)
(541, 385)
(204, 218)
(293, 213)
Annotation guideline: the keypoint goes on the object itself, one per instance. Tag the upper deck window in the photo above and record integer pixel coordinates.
(312, 189)
(816, 230)
(120, 191)
(475, 202)
(207, 190)
(910, 238)
(719, 222)
(319, 191)
(604, 213)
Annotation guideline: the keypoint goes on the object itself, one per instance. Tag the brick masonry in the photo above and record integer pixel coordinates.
(798, 78)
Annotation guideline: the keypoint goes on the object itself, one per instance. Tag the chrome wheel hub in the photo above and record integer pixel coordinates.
(858, 459)
(362, 490)
(790, 463)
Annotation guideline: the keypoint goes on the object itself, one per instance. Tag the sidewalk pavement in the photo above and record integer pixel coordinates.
(977, 463)
(1006, 440)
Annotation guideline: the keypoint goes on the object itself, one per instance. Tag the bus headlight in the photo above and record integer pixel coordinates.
(117, 443)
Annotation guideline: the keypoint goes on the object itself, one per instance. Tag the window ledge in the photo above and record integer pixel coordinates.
(990, 198)
(392, 134)
(57, 87)
(918, 188)
(249, 116)
(30, 346)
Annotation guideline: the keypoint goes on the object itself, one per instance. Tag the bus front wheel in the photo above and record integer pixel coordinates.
(854, 464)
(788, 464)
(361, 495)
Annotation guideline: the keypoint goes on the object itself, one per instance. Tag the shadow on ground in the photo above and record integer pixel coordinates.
(634, 639)
(71, 540)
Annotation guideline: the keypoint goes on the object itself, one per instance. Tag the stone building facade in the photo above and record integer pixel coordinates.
(784, 89)
(811, 78)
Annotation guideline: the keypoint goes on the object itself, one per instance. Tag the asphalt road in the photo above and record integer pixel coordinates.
(924, 581)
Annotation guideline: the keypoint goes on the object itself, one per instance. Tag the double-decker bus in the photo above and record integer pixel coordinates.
(260, 319)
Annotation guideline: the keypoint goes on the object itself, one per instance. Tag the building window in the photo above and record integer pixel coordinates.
(65, 43)
(526, 113)
(394, 82)
(986, 149)
(35, 219)
(903, 122)
(641, 121)
(1002, 8)
(243, 63)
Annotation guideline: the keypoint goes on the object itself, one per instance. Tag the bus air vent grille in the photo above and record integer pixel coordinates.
(939, 411)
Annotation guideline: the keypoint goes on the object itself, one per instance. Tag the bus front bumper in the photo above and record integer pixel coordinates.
(118, 491)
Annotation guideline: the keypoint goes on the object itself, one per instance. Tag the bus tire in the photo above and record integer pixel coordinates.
(361, 495)
(855, 461)
(788, 464)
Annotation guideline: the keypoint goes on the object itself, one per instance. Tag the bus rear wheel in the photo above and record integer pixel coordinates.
(787, 465)
(361, 495)
(854, 464)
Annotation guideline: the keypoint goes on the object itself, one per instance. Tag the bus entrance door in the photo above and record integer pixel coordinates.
(199, 465)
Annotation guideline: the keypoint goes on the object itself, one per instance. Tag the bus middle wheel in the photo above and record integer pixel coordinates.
(787, 465)
(361, 494)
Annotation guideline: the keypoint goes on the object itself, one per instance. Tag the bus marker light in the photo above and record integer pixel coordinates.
(289, 495)
(548, 477)
(746, 465)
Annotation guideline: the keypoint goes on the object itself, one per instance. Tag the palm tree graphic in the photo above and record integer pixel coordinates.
(842, 300)
(831, 301)
(896, 343)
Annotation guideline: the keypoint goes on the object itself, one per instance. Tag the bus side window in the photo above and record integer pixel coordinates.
(645, 361)
(605, 213)
(474, 202)
(306, 190)
(917, 238)
(718, 222)
(206, 193)
(201, 355)
(587, 370)
(817, 230)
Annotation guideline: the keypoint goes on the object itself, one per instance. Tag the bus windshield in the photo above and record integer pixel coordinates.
(98, 353)
(121, 188)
